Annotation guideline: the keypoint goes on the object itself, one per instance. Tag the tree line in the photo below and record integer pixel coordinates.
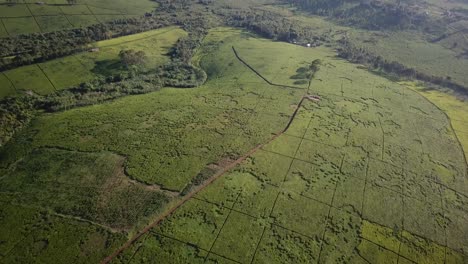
(32, 48)
(371, 14)
(362, 56)
(17, 112)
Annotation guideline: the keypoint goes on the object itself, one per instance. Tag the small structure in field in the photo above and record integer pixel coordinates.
(94, 50)
(40, 3)
(308, 45)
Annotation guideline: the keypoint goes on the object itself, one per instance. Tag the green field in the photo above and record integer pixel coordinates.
(371, 173)
(45, 78)
(455, 109)
(30, 17)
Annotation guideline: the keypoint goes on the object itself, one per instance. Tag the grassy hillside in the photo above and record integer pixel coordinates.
(45, 78)
(26, 17)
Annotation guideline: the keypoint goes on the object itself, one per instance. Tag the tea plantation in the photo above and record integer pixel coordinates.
(27, 16)
(372, 173)
(336, 164)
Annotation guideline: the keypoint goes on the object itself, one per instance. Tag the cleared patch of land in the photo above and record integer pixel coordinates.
(45, 78)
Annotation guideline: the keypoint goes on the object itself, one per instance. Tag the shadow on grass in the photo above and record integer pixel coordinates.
(108, 67)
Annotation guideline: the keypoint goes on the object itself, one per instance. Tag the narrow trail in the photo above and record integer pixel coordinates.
(203, 186)
(217, 175)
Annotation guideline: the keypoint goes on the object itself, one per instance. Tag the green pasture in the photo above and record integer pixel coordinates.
(30, 17)
(371, 172)
(75, 69)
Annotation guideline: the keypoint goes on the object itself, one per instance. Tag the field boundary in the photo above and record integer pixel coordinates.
(3, 25)
(261, 76)
(45, 75)
(8, 78)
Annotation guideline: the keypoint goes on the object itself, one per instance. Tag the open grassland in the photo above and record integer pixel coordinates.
(371, 172)
(62, 73)
(30, 17)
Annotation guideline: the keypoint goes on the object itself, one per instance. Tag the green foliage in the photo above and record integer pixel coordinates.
(85, 185)
(368, 14)
(31, 235)
(201, 177)
(15, 114)
(182, 75)
(132, 57)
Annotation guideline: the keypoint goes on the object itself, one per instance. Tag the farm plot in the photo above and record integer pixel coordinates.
(45, 78)
(31, 17)
(357, 178)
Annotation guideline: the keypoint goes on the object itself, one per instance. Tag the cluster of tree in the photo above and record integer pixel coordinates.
(201, 177)
(15, 113)
(100, 90)
(362, 56)
(21, 50)
(270, 25)
(173, 74)
(185, 48)
(132, 58)
(181, 75)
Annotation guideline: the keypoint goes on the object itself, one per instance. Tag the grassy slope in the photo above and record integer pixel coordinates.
(29, 17)
(409, 48)
(456, 110)
(364, 145)
(72, 70)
